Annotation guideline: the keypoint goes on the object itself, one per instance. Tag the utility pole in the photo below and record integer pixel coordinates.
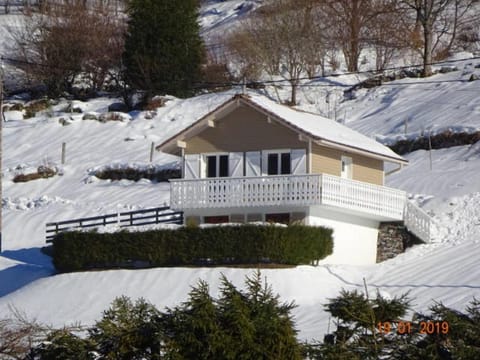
(1, 144)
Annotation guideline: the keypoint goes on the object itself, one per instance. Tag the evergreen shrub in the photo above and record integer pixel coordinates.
(134, 174)
(218, 245)
(248, 324)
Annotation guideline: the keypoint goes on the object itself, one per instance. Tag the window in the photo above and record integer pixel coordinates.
(285, 163)
(278, 163)
(217, 165)
(211, 166)
(220, 219)
(272, 164)
(281, 218)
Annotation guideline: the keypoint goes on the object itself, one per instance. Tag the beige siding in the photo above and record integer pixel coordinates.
(367, 169)
(328, 161)
(242, 130)
(246, 129)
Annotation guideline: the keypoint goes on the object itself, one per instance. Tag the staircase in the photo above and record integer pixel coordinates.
(417, 221)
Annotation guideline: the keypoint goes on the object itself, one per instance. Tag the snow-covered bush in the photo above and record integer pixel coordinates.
(114, 116)
(136, 172)
(43, 172)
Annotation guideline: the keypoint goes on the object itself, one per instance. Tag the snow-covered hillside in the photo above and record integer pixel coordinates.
(450, 191)
(446, 270)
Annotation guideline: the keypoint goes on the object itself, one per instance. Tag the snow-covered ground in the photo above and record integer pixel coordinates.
(446, 270)
(449, 189)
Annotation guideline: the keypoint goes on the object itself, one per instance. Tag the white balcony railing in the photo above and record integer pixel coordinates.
(363, 197)
(288, 190)
(245, 191)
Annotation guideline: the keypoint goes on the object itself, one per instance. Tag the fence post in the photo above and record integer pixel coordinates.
(64, 150)
(152, 150)
(430, 149)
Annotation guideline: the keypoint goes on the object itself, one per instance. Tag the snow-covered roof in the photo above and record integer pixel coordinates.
(320, 129)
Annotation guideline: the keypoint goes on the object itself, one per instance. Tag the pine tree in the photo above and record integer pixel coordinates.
(63, 345)
(245, 325)
(128, 331)
(357, 335)
(163, 49)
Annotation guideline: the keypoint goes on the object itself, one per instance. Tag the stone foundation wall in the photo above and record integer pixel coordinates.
(393, 239)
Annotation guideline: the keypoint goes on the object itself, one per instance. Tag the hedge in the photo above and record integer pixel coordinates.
(218, 245)
(134, 174)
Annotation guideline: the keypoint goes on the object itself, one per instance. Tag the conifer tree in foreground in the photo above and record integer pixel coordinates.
(163, 49)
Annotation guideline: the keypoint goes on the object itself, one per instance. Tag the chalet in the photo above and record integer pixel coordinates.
(251, 159)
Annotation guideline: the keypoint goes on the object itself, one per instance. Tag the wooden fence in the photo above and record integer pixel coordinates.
(161, 215)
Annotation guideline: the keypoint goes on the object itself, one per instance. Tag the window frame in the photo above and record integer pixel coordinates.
(279, 153)
(217, 156)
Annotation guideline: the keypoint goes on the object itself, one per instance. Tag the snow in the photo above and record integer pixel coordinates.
(450, 192)
(446, 270)
(220, 17)
(454, 173)
(442, 102)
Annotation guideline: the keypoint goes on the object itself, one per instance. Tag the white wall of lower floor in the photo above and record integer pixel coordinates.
(354, 237)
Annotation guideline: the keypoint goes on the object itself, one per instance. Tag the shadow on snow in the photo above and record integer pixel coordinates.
(34, 265)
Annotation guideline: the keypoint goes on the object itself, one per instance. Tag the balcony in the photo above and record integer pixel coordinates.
(288, 190)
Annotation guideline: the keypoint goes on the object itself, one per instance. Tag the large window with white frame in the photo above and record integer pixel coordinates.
(250, 163)
(278, 162)
(216, 165)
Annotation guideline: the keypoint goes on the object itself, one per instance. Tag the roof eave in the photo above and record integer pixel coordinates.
(349, 148)
(170, 145)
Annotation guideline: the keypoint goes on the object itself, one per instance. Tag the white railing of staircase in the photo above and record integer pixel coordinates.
(417, 221)
(246, 191)
(360, 196)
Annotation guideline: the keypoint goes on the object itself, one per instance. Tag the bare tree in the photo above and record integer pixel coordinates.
(105, 47)
(66, 41)
(18, 335)
(348, 20)
(279, 39)
(216, 72)
(437, 19)
(385, 33)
